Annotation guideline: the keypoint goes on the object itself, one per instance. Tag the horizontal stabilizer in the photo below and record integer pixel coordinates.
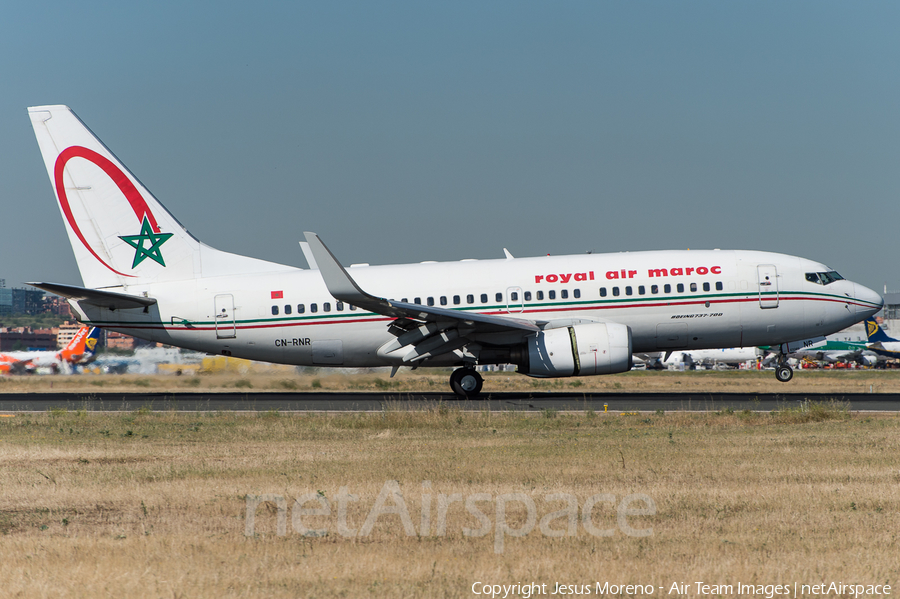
(95, 297)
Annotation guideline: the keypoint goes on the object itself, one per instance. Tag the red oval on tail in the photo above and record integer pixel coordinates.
(134, 197)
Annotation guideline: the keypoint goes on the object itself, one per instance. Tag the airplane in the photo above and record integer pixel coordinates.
(720, 357)
(879, 341)
(831, 351)
(145, 275)
(80, 350)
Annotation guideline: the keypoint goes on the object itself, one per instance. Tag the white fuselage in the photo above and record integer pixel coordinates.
(671, 300)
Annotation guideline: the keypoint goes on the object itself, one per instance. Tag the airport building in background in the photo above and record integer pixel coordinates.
(66, 333)
(27, 339)
(891, 312)
(21, 301)
(31, 302)
(120, 341)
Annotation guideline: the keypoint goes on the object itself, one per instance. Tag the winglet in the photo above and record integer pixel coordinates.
(310, 259)
(339, 283)
(343, 288)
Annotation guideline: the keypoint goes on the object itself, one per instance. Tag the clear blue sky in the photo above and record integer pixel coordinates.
(409, 131)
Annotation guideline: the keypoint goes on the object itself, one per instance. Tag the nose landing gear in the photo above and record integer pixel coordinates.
(465, 382)
(783, 371)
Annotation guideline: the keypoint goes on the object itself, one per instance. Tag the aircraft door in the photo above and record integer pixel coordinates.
(224, 317)
(768, 286)
(515, 302)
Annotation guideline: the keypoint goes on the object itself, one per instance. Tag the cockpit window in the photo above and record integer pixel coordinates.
(823, 278)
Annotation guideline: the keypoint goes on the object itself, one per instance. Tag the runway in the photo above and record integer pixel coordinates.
(376, 402)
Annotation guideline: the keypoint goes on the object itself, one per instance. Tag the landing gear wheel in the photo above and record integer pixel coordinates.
(784, 373)
(465, 382)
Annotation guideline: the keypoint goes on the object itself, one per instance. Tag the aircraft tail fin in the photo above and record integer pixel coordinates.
(120, 233)
(875, 333)
(83, 346)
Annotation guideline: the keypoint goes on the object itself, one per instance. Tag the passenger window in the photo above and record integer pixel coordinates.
(641, 290)
(430, 301)
(274, 310)
(456, 300)
(352, 307)
(551, 294)
(616, 291)
(301, 308)
(313, 307)
(326, 307)
(287, 309)
(719, 286)
(540, 295)
(418, 300)
(339, 306)
(680, 287)
(654, 289)
(484, 298)
(514, 296)
(564, 294)
(470, 299)
(498, 297)
(628, 290)
(667, 288)
(577, 293)
(693, 287)
(603, 292)
(705, 286)
(405, 300)
(527, 296)
(443, 300)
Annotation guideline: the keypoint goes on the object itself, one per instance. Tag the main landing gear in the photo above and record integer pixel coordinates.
(783, 370)
(465, 382)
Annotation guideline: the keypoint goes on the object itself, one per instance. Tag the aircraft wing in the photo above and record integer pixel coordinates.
(13, 365)
(342, 286)
(96, 297)
(888, 349)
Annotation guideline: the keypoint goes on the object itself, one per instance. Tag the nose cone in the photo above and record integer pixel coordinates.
(868, 302)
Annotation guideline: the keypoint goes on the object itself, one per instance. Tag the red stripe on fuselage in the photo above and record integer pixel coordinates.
(752, 299)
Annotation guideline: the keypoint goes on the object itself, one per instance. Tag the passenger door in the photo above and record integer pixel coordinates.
(768, 286)
(224, 317)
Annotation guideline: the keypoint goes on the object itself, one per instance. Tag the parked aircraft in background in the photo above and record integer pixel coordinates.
(879, 342)
(728, 356)
(832, 351)
(146, 275)
(80, 350)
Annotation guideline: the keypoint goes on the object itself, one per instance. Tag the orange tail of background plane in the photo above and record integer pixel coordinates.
(82, 347)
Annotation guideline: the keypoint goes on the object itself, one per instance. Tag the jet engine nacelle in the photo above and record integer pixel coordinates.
(579, 350)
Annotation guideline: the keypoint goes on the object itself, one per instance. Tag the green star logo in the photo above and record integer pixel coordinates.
(147, 235)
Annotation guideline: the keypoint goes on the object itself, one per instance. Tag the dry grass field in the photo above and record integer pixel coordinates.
(153, 504)
(265, 378)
